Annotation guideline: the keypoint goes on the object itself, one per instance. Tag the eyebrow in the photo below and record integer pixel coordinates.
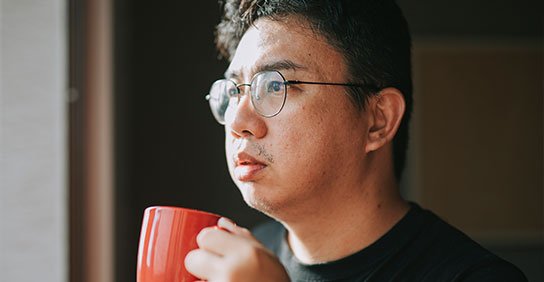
(277, 66)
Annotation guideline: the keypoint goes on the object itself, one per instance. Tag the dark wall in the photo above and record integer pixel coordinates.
(169, 149)
(474, 19)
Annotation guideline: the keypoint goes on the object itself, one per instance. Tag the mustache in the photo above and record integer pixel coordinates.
(258, 149)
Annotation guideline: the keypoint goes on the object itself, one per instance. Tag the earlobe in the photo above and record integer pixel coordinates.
(385, 114)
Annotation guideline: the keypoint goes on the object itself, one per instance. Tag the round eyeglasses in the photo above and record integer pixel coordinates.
(268, 91)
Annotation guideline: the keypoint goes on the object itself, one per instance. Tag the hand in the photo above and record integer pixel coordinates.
(232, 254)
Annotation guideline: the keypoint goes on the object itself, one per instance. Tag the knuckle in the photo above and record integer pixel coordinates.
(245, 231)
(251, 253)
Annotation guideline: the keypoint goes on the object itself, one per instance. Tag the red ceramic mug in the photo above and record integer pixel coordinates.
(168, 234)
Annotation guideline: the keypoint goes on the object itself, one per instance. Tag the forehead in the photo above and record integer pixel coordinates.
(268, 42)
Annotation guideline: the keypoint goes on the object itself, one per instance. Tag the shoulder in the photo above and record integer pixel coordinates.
(492, 269)
(269, 233)
(450, 253)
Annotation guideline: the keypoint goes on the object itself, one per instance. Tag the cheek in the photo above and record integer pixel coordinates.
(301, 138)
(316, 133)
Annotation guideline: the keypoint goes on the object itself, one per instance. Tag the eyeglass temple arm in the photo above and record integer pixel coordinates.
(330, 83)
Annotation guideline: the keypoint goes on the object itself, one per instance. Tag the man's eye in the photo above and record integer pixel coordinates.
(232, 91)
(274, 86)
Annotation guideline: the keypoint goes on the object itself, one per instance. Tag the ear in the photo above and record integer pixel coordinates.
(385, 113)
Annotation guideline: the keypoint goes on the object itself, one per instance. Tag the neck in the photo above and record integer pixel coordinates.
(347, 222)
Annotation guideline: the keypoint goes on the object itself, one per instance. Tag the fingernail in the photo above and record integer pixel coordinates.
(226, 223)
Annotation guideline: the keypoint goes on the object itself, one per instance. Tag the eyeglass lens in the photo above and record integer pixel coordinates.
(267, 95)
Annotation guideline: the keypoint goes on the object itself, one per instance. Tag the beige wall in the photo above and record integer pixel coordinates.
(478, 136)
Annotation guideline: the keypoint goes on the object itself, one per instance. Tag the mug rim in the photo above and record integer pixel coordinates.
(189, 210)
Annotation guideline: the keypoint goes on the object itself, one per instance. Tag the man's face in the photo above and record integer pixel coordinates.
(314, 147)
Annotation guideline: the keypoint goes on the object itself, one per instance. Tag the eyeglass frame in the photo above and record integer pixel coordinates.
(286, 82)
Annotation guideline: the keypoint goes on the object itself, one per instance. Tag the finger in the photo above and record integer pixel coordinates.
(221, 242)
(202, 264)
(229, 225)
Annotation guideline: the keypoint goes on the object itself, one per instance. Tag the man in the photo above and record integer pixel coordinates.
(316, 104)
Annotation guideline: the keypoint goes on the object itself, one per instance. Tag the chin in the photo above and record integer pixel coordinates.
(262, 203)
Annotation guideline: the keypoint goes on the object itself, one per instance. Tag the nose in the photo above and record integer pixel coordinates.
(244, 121)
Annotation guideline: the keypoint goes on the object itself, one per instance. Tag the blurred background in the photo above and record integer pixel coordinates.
(102, 114)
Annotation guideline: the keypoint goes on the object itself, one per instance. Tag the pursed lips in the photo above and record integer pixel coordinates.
(247, 167)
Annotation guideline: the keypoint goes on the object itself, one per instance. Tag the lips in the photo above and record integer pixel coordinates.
(247, 167)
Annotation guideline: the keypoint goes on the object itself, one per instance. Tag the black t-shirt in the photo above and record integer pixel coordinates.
(420, 247)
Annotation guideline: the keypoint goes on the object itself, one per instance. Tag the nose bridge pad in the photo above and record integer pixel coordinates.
(243, 91)
(243, 122)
